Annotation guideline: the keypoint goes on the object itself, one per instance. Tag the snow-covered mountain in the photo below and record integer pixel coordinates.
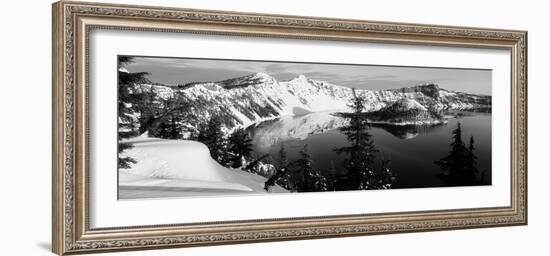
(258, 97)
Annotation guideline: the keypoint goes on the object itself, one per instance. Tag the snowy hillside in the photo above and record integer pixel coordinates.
(258, 97)
(173, 168)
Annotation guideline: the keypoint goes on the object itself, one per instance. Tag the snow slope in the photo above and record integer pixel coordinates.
(181, 168)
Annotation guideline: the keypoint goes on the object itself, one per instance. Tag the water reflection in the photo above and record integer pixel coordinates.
(272, 132)
(407, 132)
(411, 149)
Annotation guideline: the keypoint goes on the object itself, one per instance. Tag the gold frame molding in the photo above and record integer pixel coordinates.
(72, 22)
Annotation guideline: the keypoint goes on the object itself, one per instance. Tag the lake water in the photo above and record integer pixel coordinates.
(412, 150)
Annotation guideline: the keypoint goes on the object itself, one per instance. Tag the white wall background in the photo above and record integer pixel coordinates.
(25, 101)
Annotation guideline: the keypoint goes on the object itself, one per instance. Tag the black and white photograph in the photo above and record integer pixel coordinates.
(275, 127)
(217, 127)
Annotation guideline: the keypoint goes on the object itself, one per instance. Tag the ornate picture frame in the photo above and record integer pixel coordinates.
(72, 23)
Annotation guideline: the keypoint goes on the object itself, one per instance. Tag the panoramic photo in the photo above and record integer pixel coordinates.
(212, 127)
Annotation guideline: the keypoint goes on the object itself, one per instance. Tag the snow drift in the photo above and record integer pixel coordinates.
(180, 168)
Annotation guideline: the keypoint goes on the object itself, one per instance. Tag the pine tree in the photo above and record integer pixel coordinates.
(320, 182)
(239, 146)
(471, 160)
(125, 162)
(284, 178)
(310, 180)
(282, 175)
(458, 151)
(170, 128)
(162, 131)
(282, 160)
(157, 112)
(459, 166)
(453, 163)
(129, 103)
(387, 177)
(333, 177)
(212, 136)
(361, 152)
(304, 165)
(175, 128)
(130, 100)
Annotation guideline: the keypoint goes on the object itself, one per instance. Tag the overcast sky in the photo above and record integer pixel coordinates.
(184, 70)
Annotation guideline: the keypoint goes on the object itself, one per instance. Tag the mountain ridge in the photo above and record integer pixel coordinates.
(257, 97)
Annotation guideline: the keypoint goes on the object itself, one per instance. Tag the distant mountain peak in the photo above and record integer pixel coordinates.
(247, 80)
(428, 85)
(262, 77)
(428, 89)
(300, 79)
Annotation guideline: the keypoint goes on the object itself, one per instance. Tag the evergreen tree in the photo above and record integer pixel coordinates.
(333, 177)
(239, 146)
(387, 177)
(175, 128)
(212, 136)
(458, 151)
(310, 180)
(129, 103)
(150, 107)
(130, 100)
(361, 152)
(320, 182)
(283, 176)
(459, 166)
(471, 160)
(305, 166)
(453, 163)
(282, 160)
(125, 162)
(170, 128)
(157, 112)
(252, 166)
